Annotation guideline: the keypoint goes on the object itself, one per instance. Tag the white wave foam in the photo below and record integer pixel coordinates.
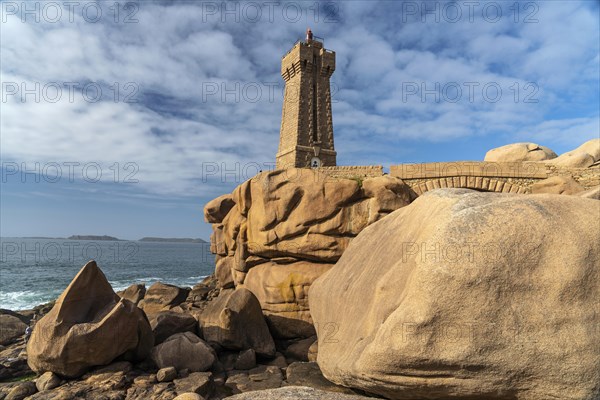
(28, 299)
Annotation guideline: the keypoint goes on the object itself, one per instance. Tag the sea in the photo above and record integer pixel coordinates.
(35, 271)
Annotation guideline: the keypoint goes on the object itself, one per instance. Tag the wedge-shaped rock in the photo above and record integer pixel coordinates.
(467, 295)
(88, 326)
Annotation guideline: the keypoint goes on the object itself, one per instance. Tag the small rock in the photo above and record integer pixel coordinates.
(134, 293)
(189, 396)
(11, 328)
(168, 323)
(48, 381)
(259, 378)
(184, 350)
(166, 374)
(158, 391)
(25, 316)
(278, 361)
(228, 360)
(184, 373)
(199, 293)
(142, 380)
(198, 382)
(106, 380)
(22, 391)
(219, 379)
(119, 366)
(246, 360)
(216, 347)
(146, 365)
(309, 374)
(162, 297)
(313, 351)
(299, 350)
(217, 367)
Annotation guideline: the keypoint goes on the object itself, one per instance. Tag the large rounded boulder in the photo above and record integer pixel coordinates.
(519, 152)
(584, 156)
(90, 325)
(467, 295)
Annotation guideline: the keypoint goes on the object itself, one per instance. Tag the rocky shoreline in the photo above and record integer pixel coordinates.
(174, 314)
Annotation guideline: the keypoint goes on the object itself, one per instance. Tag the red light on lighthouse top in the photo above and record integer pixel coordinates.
(309, 34)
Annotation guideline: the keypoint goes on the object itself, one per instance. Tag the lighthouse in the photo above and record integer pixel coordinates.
(306, 135)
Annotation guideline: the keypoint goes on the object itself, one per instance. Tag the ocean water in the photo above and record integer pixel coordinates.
(36, 271)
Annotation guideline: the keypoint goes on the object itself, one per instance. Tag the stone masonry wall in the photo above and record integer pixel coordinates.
(353, 171)
(587, 177)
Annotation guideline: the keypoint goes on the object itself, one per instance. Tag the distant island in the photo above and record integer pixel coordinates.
(93, 237)
(39, 237)
(171, 240)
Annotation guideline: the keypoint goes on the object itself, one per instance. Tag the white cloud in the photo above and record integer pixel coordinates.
(569, 132)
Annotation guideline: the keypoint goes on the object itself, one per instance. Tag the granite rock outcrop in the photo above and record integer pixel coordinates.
(279, 231)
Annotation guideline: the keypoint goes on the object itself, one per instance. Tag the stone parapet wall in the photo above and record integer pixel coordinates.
(529, 170)
(505, 177)
(587, 177)
(353, 171)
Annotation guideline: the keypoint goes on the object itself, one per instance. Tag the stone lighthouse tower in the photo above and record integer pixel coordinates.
(306, 136)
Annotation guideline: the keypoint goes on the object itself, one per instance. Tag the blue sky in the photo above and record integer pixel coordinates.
(147, 110)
